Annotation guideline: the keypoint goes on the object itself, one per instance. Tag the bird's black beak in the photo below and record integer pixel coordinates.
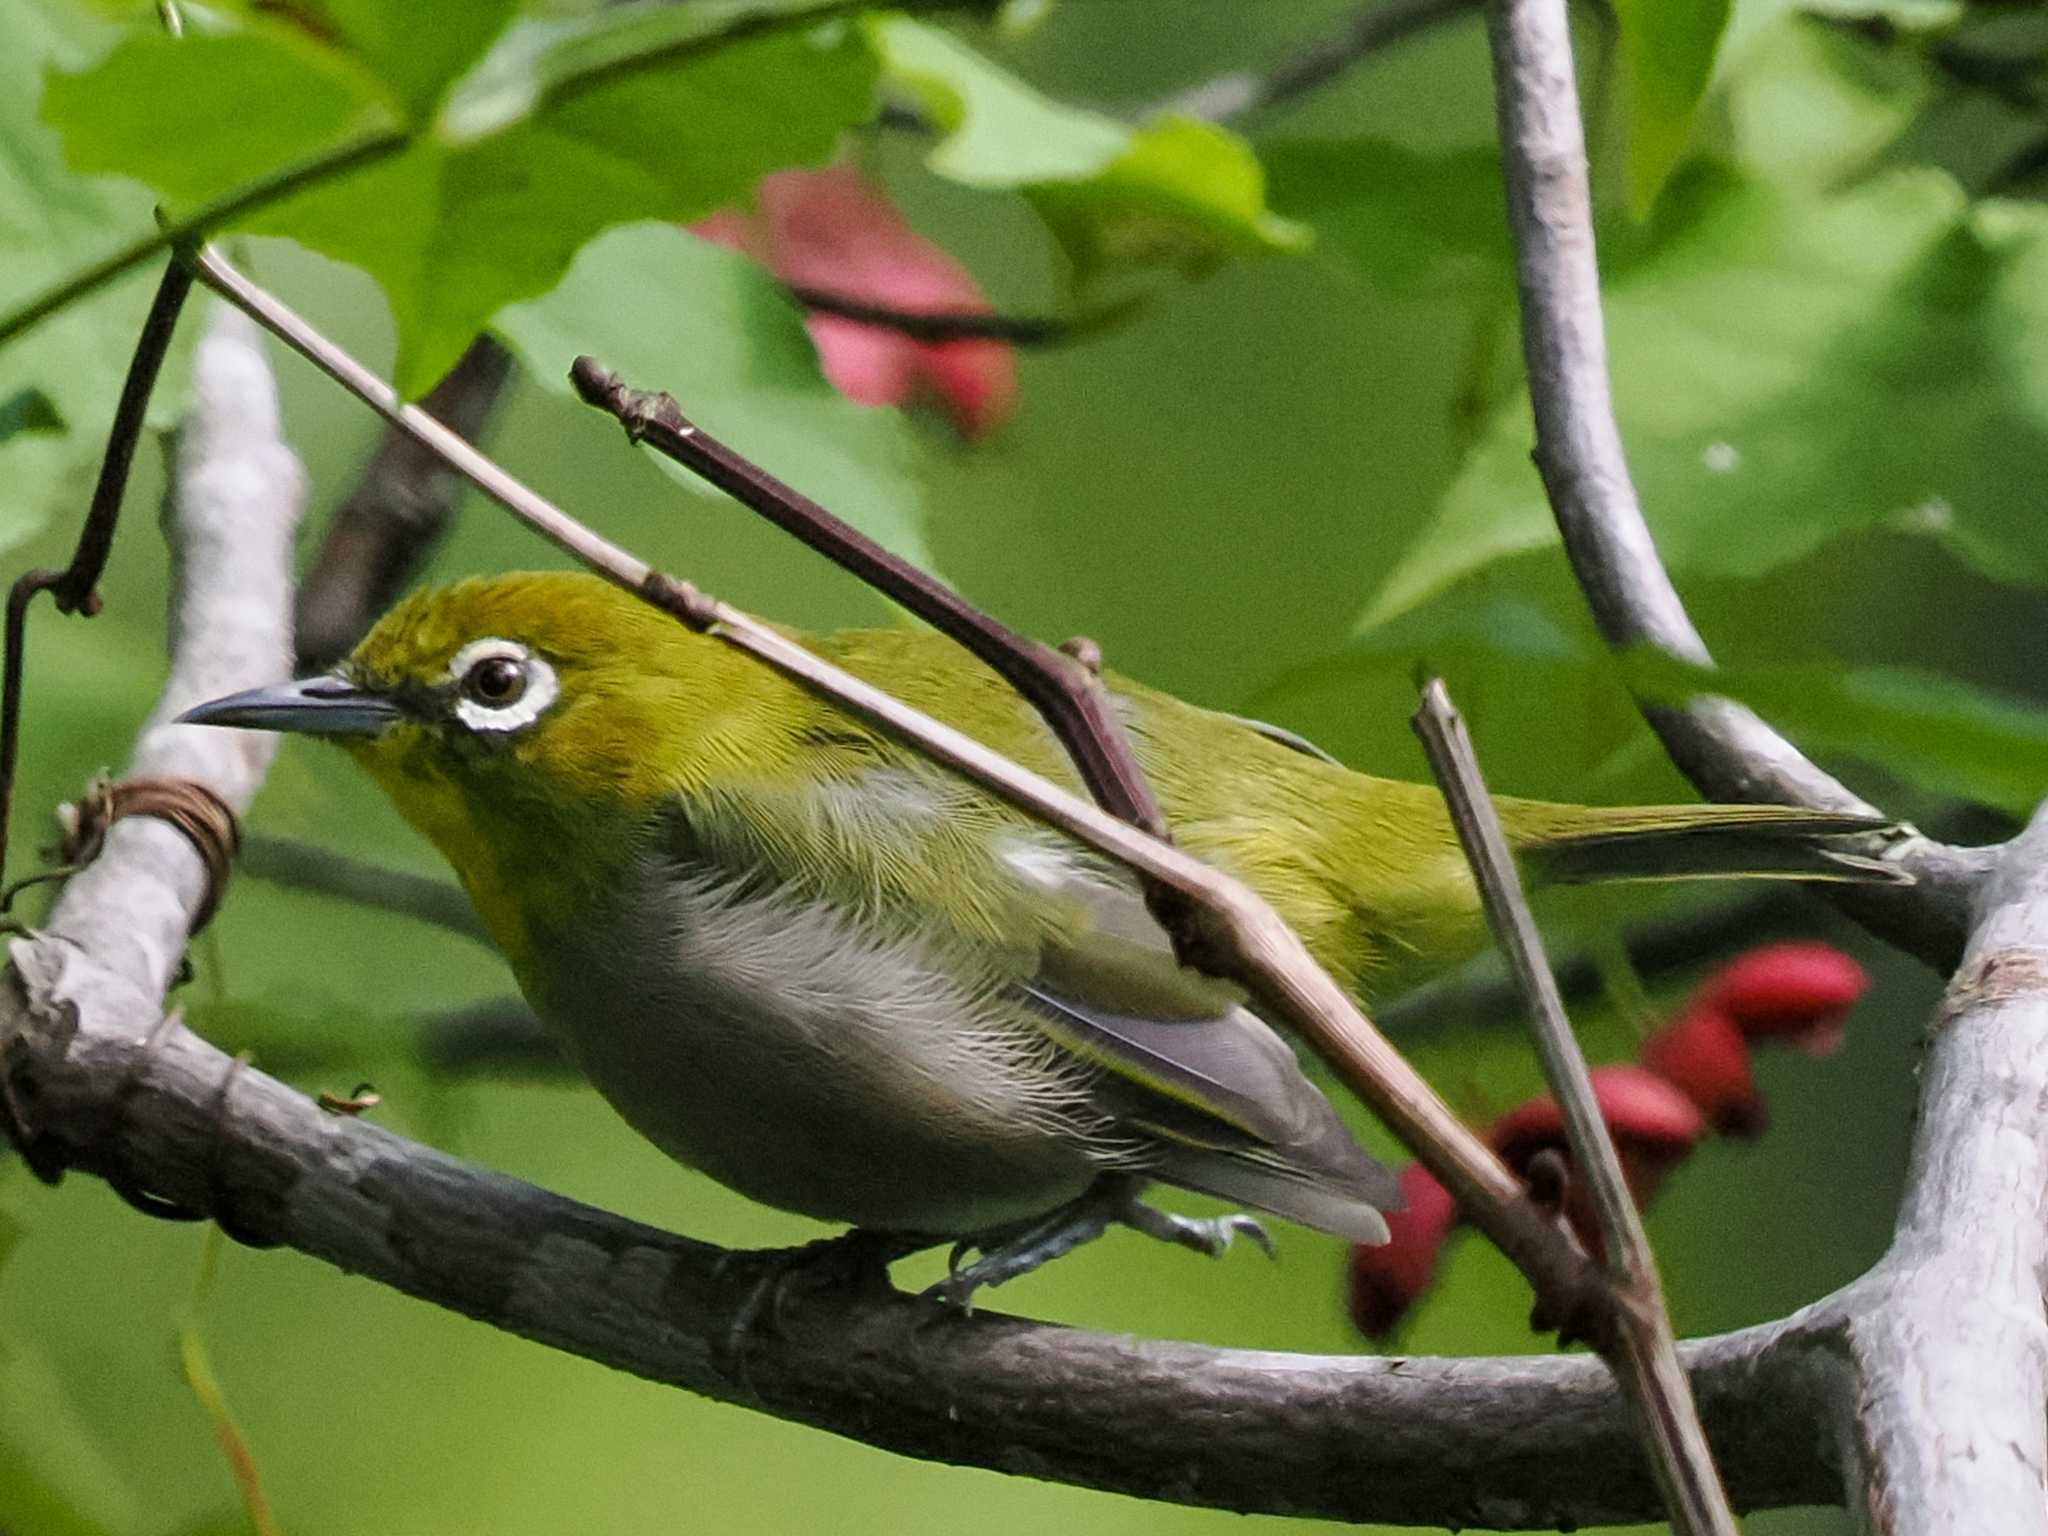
(328, 705)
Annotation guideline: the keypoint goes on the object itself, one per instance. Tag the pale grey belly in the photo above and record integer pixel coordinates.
(813, 1066)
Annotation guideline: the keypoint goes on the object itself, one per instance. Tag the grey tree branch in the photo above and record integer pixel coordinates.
(1949, 1429)
(1639, 1348)
(1940, 1353)
(234, 501)
(1519, 1443)
(1723, 747)
(385, 528)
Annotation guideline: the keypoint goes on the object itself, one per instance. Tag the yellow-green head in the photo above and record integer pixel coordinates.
(528, 725)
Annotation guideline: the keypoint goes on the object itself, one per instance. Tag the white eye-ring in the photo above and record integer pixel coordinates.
(500, 685)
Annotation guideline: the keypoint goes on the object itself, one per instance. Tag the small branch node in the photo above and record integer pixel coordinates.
(680, 599)
(1550, 1180)
(1084, 650)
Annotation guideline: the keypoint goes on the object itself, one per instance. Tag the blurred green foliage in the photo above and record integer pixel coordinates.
(1279, 489)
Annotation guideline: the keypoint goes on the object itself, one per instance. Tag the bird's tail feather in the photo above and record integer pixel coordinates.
(1692, 842)
(1343, 1208)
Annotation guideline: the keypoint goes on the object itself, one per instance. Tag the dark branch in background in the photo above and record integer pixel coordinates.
(1723, 747)
(383, 532)
(1242, 92)
(304, 867)
(499, 1037)
(75, 589)
(1640, 1349)
(1059, 688)
(964, 325)
(1652, 949)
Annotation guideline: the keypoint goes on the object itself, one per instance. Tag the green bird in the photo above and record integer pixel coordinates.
(845, 982)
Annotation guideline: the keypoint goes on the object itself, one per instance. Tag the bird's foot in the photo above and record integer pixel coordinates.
(1007, 1252)
(855, 1260)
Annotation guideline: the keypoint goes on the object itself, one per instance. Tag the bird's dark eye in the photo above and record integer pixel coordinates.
(495, 681)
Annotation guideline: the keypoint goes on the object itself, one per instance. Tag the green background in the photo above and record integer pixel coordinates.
(1215, 492)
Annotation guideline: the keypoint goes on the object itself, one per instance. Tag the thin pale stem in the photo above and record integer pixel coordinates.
(1641, 1349)
(1722, 746)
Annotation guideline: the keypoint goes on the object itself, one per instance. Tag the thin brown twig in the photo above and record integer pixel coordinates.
(1642, 1350)
(75, 589)
(1246, 937)
(1067, 694)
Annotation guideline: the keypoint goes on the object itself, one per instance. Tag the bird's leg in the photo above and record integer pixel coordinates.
(1007, 1252)
(1112, 1200)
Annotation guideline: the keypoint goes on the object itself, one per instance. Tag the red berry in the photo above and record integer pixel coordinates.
(1703, 1054)
(1792, 992)
(1654, 1127)
(1386, 1278)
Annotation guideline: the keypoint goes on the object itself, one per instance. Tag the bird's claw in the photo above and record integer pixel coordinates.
(1210, 1235)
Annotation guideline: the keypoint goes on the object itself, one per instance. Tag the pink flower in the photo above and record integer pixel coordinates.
(833, 231)
(1692, 1074)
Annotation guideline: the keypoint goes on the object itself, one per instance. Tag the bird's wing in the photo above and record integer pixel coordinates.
(916, 853)
(1219, 1091)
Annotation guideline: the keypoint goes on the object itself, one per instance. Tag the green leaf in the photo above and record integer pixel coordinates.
(58, 384)
(1421, 222)
(1183, 194)
(1790, 368)
(1813, 103)
(563, 131)
(199, 116)
(1667, 56)
(1176, 192)
(1935, 731)
(667, 311)
(417, 62)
